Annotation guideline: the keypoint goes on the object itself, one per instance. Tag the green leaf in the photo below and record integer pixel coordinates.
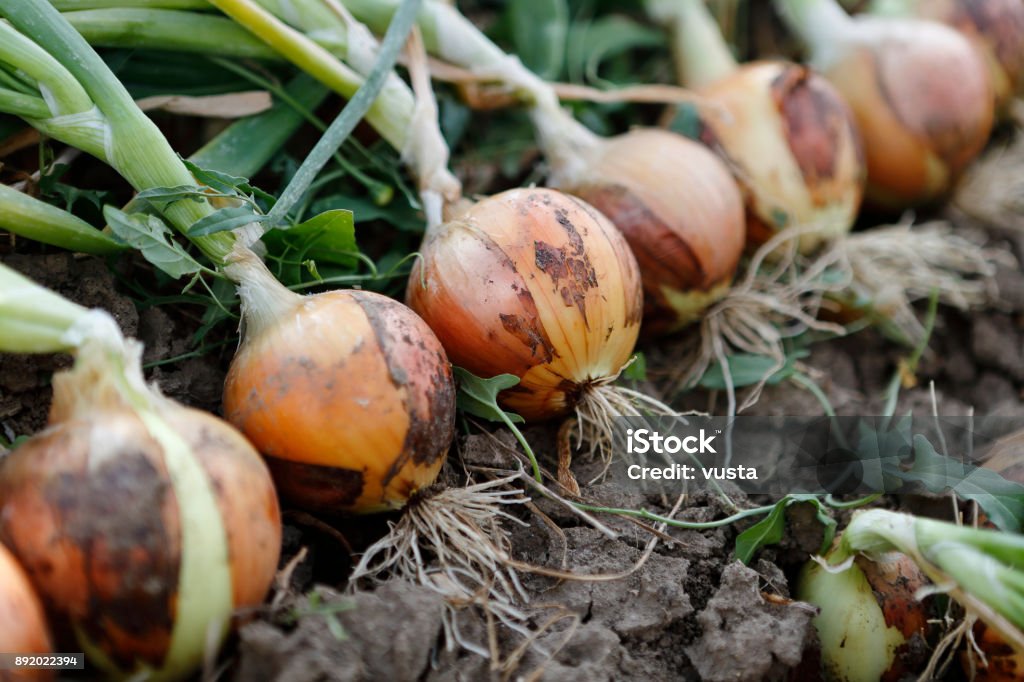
(591, 44)
(216, 180)
(479, 397)
(330, 237)
(770, 529)
(539, 29)
(767, 531)
(224, 219)
(1000, 499)
(160, 197)
(747, 369)
(149, 235)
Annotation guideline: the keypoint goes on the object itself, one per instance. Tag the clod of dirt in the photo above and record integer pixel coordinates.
(387, 635)
(639, 606)
(745, 637)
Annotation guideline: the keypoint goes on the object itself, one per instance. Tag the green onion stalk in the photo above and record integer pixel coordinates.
(33, 219)
(981, 569)
(87, 107)
(150, 488)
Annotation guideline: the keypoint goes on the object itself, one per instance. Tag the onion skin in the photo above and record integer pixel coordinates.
(922, 99)
(1004, 663)
(87, 507)
(869, 617)
(535, 283)
(796, 150)
(681, 214)
(351, 398)
(22, 620)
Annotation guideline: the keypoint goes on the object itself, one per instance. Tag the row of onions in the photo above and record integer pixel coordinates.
(548, 285)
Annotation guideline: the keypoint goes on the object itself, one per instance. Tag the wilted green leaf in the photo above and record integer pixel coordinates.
(149, 235)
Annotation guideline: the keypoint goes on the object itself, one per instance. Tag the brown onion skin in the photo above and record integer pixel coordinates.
(895, 580)
(680, 212)
(88, 508)
(922, 99)
(1002, 663)
(23, 627)
(351, 399)
(535, 283)
(792, 140)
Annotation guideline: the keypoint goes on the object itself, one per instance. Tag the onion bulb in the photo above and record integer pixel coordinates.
(920, 93)
(994, 27)
(869, 617)
(784, 130)
(535, 283)
(22, 620)
(680, 212)
(143, 524)
(348, 394)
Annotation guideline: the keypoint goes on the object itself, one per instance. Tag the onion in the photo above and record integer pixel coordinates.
(681, 214)
(920, 93)
(22, 621)
(994, 27)
(784, 130)
(143, 524)
(348, 394)
(535, 283)
(869, 617)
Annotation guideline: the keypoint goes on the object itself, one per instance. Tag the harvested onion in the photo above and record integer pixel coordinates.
(680, 212)
(869, 617)
(348, 394)
(995, 27)
(920, 93)
(535, 283)
(143, 524)
(22, 621)
(784, 130)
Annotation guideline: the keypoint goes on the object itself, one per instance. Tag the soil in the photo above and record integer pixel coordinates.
(690, 611)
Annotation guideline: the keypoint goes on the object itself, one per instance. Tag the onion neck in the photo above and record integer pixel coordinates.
(570, 147)
(701, 53)
(821, 24)
(264, 299)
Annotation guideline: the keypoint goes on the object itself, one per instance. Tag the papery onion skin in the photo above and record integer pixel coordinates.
(870, 624)
(23, 627)
(88, 508)
(795, 149)
(922, 99)
(1002, 662)
(535, 283)
(681, 214)
(351, 399)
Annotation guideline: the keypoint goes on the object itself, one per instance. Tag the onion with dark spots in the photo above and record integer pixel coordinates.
(785, 132)
(920, 93)
(535, 283)
(1001, 663)
(23, 627)
(144, 525)
(870, 624)
(348, 394)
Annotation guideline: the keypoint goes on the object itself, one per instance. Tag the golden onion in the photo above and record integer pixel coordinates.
(535, 283)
